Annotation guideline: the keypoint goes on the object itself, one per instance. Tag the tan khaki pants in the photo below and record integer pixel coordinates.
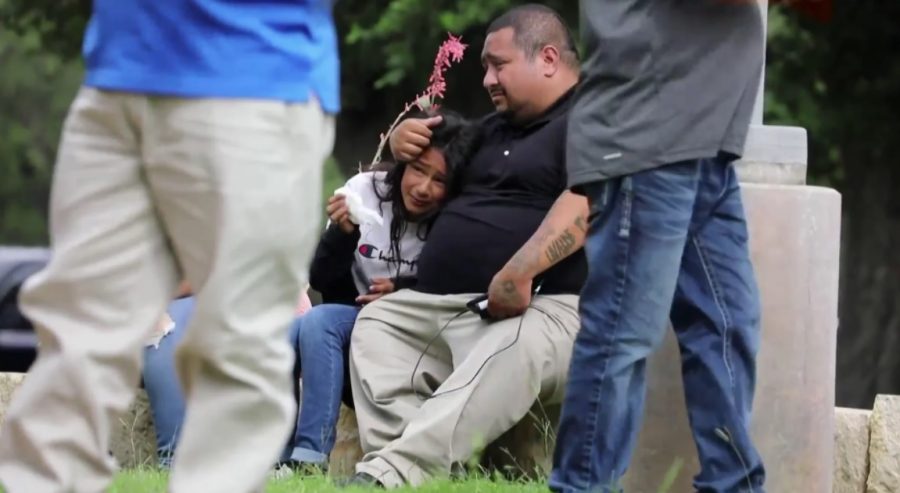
(474, 382)
(146, 190)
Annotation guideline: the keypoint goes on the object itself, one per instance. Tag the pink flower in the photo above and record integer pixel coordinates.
(451, 51)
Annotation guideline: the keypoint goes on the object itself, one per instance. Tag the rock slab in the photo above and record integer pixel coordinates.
(884, 445)
(851, 450)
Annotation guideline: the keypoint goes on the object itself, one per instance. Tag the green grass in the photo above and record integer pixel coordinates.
(150, 481)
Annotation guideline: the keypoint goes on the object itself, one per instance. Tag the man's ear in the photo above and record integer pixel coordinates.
(550, 60)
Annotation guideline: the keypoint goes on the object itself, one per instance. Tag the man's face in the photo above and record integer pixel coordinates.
(510, 78)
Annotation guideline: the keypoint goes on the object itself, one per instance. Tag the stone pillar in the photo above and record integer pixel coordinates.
(795, 234)
(795, 246)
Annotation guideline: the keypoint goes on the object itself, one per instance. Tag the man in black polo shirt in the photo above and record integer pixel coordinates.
(431, 380)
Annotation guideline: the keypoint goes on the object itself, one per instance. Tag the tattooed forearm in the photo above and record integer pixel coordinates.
(581, 224)
(529, 255)
(560, 234)
(561, 247)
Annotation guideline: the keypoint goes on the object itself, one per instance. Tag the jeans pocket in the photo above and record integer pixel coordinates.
(603, 199)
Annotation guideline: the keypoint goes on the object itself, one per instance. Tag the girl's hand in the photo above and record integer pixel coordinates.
(379, 288)
(339, 213)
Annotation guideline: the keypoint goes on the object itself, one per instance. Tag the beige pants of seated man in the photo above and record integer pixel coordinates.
(145, 190)
(475, 381)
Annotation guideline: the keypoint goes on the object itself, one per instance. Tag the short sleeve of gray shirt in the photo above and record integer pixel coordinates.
(664, 81)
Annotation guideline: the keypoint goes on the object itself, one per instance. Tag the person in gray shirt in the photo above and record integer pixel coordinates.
(662, 111)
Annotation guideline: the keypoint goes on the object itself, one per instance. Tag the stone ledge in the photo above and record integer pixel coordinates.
(133, 439)
(525, 450)
(851, 450)
(862, 464)
(884, 445)
(346, 452)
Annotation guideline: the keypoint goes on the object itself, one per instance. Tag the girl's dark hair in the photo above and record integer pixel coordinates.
(457, 139)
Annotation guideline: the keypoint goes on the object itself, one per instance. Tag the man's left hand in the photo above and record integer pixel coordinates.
(508, 295)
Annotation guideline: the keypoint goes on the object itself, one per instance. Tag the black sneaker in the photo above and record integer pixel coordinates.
(359, 479)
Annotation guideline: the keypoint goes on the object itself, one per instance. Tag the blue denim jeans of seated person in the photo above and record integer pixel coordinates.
(163, 387)
(322, 342)
(162, 384)
(668, 243)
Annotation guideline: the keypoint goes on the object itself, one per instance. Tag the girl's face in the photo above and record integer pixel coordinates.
(423, 185)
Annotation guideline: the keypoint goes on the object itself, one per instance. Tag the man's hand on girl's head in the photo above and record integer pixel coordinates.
(411, 137)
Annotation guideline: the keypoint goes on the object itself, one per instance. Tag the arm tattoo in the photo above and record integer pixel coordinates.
(529, 255)
(581, 224)
(508, 293)
(561, 247)
(509, 287)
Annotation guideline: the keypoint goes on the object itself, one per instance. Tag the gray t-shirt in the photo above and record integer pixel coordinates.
(664, 81)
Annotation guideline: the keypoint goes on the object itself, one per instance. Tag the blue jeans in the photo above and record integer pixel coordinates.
(162, 384)
(322, 342)
(664, 243)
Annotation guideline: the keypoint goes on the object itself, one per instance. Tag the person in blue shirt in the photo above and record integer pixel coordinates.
(193, 151)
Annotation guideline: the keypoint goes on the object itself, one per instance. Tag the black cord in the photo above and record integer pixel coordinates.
(412, 377)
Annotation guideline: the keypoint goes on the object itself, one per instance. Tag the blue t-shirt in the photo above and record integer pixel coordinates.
(255, 49)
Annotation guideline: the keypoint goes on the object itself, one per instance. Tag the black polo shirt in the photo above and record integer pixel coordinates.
(507, 189)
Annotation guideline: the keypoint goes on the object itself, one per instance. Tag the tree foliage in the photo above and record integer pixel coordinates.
(57, 24)
(36, 86)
